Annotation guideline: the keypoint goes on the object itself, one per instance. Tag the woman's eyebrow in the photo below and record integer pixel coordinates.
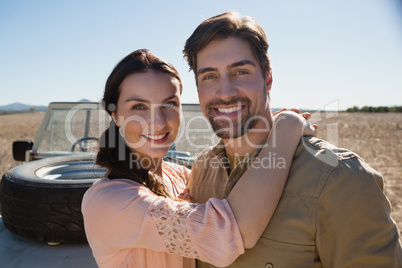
(147, 101)
(136, 99)
(169, 98)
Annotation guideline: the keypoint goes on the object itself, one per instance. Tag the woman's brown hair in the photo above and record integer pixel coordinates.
(114, 154)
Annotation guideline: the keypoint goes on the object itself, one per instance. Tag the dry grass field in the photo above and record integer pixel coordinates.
(14, 127)
(377, 138)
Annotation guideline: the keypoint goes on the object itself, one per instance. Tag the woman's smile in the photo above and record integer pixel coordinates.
(157, 138)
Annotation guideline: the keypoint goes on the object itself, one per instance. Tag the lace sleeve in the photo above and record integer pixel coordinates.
(170, 218)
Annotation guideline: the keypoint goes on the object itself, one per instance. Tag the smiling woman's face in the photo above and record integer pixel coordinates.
(149, 112)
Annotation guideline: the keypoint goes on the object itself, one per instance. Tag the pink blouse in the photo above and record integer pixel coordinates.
(129, 226)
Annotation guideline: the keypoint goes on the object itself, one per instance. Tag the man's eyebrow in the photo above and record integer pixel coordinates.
(235, 64)
(204, 70)
(243, 62)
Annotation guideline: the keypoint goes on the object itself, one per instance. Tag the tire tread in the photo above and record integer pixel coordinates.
(42, 212)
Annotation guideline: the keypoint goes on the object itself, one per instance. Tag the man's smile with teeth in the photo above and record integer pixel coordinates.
(229, 110)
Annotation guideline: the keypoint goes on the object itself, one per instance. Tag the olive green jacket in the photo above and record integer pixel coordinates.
(332, 213)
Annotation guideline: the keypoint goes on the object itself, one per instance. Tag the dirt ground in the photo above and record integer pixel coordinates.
(377, 138)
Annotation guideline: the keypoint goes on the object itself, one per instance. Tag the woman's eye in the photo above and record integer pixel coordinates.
(138, 107)
(170, 104)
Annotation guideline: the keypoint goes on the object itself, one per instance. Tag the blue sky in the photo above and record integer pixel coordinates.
(337, 53)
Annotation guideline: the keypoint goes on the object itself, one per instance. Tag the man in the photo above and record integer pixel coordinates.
(333, 212)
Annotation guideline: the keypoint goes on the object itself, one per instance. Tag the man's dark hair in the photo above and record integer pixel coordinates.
(229, 24)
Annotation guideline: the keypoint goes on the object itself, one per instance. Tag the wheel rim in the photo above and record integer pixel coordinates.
(71, 171)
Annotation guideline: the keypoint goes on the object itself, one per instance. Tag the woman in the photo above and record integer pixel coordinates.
(136, 215)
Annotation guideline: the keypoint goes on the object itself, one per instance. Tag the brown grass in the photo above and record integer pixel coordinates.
(377, 138)
(14, 127)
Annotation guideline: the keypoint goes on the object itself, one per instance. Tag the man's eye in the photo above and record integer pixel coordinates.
(138, 107)
(241, 72)
(208, 77)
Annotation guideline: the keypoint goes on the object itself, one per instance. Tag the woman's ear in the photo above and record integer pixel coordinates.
(114, 118)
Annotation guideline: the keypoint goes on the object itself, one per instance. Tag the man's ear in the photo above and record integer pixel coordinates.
(269, 80)
(114, 118)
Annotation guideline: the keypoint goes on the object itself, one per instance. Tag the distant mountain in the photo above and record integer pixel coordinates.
(20, 107)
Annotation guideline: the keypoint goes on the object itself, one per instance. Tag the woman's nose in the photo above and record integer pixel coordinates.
(157, 120)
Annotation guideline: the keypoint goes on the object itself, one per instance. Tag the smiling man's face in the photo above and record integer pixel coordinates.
(232, 90)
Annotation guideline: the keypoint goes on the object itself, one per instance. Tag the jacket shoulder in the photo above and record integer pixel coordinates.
(329, 161)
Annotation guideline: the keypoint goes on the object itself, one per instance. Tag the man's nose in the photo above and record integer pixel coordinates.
(227, 89)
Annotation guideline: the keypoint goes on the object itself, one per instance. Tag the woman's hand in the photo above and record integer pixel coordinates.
(185, 195)
(309, 129)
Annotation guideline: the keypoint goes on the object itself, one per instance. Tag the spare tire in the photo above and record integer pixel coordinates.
(41, 200)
